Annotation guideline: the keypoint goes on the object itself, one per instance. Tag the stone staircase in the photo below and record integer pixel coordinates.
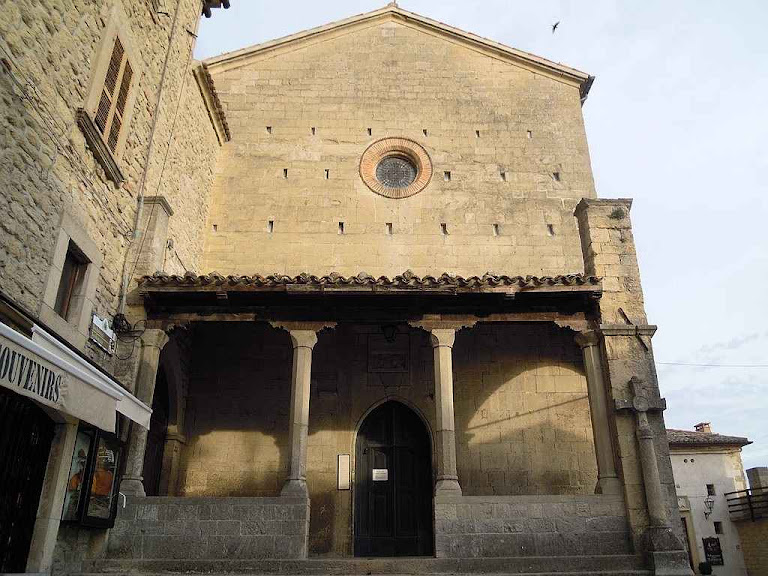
(613, 565)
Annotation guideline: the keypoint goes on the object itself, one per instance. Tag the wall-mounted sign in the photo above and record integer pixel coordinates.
(343, 472)
(712, 551)
(380, 474)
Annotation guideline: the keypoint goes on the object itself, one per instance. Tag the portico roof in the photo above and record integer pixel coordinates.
(407, 282)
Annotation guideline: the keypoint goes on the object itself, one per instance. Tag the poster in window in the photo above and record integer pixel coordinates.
(102, 490)
(78, 475)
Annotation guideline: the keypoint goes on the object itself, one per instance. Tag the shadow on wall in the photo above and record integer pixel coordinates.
(522, 414)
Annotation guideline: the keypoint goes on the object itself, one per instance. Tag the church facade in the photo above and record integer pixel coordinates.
(412, 328)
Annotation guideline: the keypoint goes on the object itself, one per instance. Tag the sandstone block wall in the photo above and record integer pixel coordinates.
(46, 167)
(210, 529)
(754, 536)
(396, 80)
(476, 526)
(522, 417)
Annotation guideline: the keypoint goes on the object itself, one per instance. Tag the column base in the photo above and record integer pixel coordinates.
(447, 487)
(295, 488)
(132, 486)
(673, 563)
(608, 485)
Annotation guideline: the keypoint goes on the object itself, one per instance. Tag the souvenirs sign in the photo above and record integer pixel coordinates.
(712, 551)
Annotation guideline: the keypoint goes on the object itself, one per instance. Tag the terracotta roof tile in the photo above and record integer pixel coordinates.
(693, 438)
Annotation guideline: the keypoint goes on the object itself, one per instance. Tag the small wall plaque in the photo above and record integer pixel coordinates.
(380, 474)
(343, 472)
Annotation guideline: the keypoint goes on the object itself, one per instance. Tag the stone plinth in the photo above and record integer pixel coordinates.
(153, 528)
(496, 526)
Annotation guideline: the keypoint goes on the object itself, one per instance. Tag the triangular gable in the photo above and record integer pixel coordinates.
(392, 12)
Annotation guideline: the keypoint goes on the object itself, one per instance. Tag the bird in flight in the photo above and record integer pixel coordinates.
(555, 25)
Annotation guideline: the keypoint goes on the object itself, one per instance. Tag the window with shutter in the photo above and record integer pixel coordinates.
(114, 95)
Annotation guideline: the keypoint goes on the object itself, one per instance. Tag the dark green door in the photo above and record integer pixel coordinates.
(393, 484)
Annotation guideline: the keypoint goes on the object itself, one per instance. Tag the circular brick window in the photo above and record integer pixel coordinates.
(396, 167)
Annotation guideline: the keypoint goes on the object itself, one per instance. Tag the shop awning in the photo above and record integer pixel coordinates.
(47, 371)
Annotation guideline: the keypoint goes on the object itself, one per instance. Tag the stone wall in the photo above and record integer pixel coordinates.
(396, 80)
(483, 526)
(210, 529)
(754, 536)
(522, 416)
(46, 167)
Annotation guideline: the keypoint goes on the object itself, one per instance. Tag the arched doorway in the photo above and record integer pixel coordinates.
(158, 428)
(393, 484)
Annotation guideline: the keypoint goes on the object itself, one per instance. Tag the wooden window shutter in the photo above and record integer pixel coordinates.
(117, 85)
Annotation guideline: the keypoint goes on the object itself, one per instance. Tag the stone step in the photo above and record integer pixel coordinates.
(614, 565)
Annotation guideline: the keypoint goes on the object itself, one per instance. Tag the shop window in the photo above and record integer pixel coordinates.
(71, 282)
(92, 488)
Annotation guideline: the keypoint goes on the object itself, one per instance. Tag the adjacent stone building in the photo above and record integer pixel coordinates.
(93, 99)
(368, 291)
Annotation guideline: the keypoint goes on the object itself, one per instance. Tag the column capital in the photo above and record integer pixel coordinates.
(431, 322)
(303, 338)
(154, 338)
(587, 338)
(442, 337)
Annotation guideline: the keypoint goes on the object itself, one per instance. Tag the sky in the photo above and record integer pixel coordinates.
(677, 119)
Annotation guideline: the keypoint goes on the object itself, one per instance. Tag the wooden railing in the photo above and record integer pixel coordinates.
(748, 504)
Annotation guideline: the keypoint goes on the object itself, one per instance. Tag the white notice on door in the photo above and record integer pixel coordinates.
(380, 474)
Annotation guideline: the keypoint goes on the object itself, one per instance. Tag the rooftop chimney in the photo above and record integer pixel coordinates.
(703, 427)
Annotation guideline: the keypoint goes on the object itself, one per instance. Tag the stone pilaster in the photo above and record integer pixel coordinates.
(442, 340)
(169, 476)
(152, 342)
(303, 342)
(40, 558)
(667, 553)
(607, 477)
(609, 252)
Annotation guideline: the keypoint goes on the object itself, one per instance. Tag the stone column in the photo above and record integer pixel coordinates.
(442, 340)
(667, 553)
(169, 475)
(152, 342)
(49, 510)
(607, 478)
(303, 343)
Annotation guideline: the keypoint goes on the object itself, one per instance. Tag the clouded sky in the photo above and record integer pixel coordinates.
(678, 120)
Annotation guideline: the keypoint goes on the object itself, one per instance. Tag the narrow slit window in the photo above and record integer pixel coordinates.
(270, 226)
(444, 229)
(313, 130)
(530, 134)
(215, 227)
(550, 229)
(389, 228)
(556, 176)
(327, 173)
(425, 132)
(370, 132)
(477, 133)
(447, 176)
(269, 129)
(285, 172)
(341, 227)
(503, 176)
(496, 230)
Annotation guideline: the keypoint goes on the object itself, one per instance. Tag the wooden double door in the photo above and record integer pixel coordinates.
(393, 484)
